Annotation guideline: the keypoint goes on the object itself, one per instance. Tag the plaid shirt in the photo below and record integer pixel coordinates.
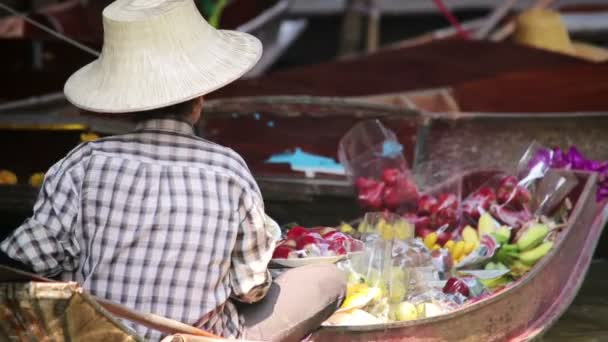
(159, 220)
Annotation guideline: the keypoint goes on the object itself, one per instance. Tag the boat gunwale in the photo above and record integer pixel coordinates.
(226, 106)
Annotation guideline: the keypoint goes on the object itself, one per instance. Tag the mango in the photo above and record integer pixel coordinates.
(449, 245)
(469, 247)
(458, 250)
(430, 240)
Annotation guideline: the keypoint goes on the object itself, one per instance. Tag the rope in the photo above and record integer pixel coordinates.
(452, 19)
(51, 31)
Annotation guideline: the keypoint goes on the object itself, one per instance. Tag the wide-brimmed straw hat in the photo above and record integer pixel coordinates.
(157, 53)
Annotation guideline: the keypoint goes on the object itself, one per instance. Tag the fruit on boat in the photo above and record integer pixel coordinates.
(502, 235)
(370, 193)
(479, 202)
(302, 242)
(469, 234)
(404, 311)
(394, 190)
(360, 298)
(533, 236)
(295, 232)
(532, 256)
(427, 205)
(455, 285)
(487, 224)
(282, 252)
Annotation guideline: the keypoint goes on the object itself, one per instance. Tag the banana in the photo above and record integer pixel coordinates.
(469, 234)
(507, 253)
(469, 246)
(532, 256)
(533, 237)
(486, 225)
(518, 269)
(502, 235)
(458, 250)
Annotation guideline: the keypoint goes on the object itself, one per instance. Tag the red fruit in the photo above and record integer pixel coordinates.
(281, 252)
(508, 181)
(426, 205)
(307, 239)
(372, 197)
(289, 243)
(455, 285)
(391, 176)
(444, 237)
(486, 193)
(338, 247)
(391, 198)
(399, 194)
(296, 232)
(523, 195)
(505, 195)
(422, 226)
(363, 183)
(446, 217)
(447, 201)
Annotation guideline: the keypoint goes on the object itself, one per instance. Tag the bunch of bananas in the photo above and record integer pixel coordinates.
(522, 255)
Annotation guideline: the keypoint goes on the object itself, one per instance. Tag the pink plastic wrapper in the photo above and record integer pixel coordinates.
(374, 162)
(515, 199)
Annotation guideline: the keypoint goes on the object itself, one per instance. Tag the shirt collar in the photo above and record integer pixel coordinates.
(171, 125)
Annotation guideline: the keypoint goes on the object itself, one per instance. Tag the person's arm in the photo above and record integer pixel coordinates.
(250, 278)
(45, 243)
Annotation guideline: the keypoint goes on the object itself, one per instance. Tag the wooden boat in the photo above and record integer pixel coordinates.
(522, 312)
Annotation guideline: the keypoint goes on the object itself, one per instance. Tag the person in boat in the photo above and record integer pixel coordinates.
(160, 220)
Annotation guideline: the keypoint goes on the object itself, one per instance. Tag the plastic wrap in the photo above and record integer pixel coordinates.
(301, 242)
(374, 162)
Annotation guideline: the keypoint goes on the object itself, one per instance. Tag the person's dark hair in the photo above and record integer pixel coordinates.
(180, 111)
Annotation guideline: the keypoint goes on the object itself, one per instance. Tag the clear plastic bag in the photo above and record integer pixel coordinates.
(374, 162)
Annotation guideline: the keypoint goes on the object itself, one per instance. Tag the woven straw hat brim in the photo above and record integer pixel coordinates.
(143, 66)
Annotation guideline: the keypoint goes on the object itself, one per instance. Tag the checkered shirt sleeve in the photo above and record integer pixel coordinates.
(250, 278)
(46, 241)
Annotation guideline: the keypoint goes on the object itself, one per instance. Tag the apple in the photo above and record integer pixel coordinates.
(289, 243)
(308, 238)
(282, 252)
(296, 232)
(391, 176)
(426, 204)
